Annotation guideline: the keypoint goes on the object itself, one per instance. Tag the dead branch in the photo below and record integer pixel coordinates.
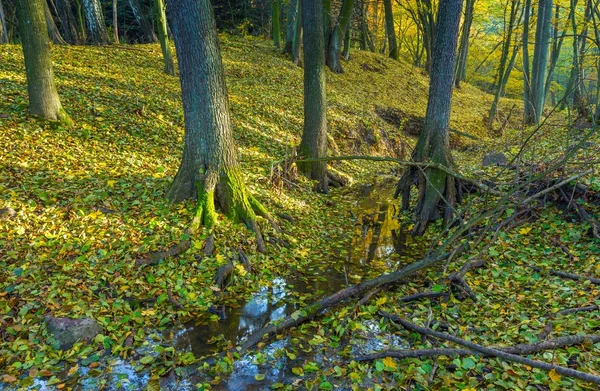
(569, 276)
(578, 309)
(423, 295)
(494, 352)
(174, 301)
(155, 258)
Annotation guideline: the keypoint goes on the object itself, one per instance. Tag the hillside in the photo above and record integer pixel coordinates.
(89, 202)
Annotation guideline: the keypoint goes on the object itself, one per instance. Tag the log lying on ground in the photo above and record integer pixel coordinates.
(173, 251)
(520, 349)
(569, 276)
(494, 352)
(579, 309)
(314, 309)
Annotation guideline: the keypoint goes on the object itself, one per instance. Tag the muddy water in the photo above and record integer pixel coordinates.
(379, 241)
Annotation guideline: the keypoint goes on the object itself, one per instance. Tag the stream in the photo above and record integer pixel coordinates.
(378, 238)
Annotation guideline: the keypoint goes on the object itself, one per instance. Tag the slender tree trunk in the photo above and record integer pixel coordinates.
(144, 22)
(334, 49)
(291, 26)
(557, 41)
(463, 48)
(163, 37)
(115, 22)
(275, 19)
(297, 43)
(390, 29)
(528, 108)
(436, 188)
(540, 57)
(96, 29)
(347, 42)
(314, 135)
(3, 30)
(53, 32)
(69, 26)
(326, 22)
(209, 169)
(43, 98)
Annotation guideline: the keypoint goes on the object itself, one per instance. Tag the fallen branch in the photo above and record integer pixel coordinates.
(557, 185)
(520, 349)
(155, 258)
(423, 295)
(495, 352)
(314, 309)
(569, 276)
(579, 309)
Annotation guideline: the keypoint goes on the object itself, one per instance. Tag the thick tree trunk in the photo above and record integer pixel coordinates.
(43, 98)
(96, 29)
(291, 26)
(276, 26)
(115, 22)
(163, 37)
(314, 135)
(3, 30)
(390, 29)
(209, 169)
(334, 49)
(436, 188)
(143, 21)
(53, 32)
(463, 48)
(540, 58)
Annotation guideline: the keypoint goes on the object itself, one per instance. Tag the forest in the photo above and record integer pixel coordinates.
(299, 195)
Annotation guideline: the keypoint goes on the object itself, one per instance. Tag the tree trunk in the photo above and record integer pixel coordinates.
(115, 22)
(68, 22)
(557, 41)
(436, 188)
(53, 32)
(209, 169)
(143, 21)
(96, 29)
(390, 29)
(314, 135)
(43, 98)
(3, 30)
(297, 42)
(463, 48)
(347, 43)
(275, 19)
(291, 26)
(163, 37)
(528, 109)
(540, 58)
(334, 49)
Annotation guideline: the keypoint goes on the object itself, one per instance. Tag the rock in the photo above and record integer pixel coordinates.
(494, 159)
(7, 213)
(67, 331)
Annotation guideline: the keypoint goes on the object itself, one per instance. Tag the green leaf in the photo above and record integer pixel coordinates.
(146, 360)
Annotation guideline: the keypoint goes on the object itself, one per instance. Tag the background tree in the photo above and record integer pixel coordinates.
(43, 98)
(115, 22)
(145, 23)
(53, 31)
(297, 41)
(209, 169)
(3, 30)
(163, 37)
(314, 135)
(334, 48)
(528, 105)
(390, 29)
(275, 19)
(436, 188)
(463, 48)
(291, 26)
(540, 58)
(96, 29)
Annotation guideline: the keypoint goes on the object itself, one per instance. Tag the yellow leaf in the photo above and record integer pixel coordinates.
(389, 363)
(73, 370)
(554, 375)
(469, 389)
(241, 270)
(525, 230)
(192, 296)
(111, 183)
(381, 301)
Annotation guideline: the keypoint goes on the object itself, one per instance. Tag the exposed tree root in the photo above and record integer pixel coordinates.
(497, 352)
(155, 258)
(223, 274)
(209, 245)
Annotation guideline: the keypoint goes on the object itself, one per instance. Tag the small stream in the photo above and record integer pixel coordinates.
(378, 240)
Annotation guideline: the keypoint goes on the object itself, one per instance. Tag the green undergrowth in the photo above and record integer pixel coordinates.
(90, 200)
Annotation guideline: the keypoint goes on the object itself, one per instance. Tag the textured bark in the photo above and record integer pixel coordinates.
(540, 58)
(96, 29)
(144, 21)
(115, 22)
(463, 48)
(390, 29)
(314, 135)
(3, 30)
(297, 42)
(436, 188)
(291, 26)
(53, 32)
(209, 169)
(275, 19)
(574, 90)
(347, 43)
(43, 98)
(163, 37)
(334, 49)
(71, 32)
(528, 108)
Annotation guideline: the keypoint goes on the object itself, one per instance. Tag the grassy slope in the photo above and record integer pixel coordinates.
(62, 254)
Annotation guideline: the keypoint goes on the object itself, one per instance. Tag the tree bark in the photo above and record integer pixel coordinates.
(163, 37)
(291, 26)
(540, 58)
(96, 29)
(209, 169)
(436, 188)
(528, 108)
(3, 30)
(68, 22)
(314, 135)
(53, 32)
(115, 22)
(275, 19)
(463, 48)
(334, 48)
(143, 21)
(390, 29)
(43, 98)
(297, 42)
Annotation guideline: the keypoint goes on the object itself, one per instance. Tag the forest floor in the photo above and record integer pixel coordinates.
(89, 201)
